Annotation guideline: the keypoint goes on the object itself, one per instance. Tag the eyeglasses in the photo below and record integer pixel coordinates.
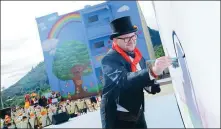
(128, 39)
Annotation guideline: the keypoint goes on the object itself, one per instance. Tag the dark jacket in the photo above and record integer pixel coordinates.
(121, 86)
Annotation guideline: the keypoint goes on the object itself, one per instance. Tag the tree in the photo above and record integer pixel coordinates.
(159, 51)
(71, 62)
(3, 88)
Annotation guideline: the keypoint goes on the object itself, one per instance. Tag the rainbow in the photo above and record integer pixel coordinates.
(63, 21)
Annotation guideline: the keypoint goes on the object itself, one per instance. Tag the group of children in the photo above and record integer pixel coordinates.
(35, 99)
(36, 116)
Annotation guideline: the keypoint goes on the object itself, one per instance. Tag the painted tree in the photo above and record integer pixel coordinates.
(71, 62)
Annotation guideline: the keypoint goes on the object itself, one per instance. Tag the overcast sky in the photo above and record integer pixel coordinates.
(20, 44)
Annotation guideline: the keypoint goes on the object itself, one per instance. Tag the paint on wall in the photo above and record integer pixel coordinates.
(188, 89)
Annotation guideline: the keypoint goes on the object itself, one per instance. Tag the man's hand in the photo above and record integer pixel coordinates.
(161, 64)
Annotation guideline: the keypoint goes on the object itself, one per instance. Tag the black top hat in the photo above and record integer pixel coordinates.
(122, 26)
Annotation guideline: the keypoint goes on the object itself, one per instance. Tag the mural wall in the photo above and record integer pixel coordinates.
(190, 31)
(73, 45)
(66, 55)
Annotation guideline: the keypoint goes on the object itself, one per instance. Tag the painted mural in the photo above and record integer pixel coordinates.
(66, 55)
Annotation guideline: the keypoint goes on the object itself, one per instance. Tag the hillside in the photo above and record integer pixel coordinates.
(34, 81)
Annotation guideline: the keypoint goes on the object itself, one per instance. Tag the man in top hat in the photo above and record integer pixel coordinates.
(125, 76)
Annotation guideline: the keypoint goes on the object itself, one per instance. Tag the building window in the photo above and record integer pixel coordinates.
(92, 18)
(99, 44)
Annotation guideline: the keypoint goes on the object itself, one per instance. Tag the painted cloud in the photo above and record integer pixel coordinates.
(123, 8)
(52, 18)
(42, 26)
(49, 45)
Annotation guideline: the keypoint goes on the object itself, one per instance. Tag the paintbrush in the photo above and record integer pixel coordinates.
(175, 62)
(173, 59)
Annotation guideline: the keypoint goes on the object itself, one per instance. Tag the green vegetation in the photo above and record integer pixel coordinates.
(34, 81)
(159, 51)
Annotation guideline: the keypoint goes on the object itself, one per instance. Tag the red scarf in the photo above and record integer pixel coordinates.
(136, 60)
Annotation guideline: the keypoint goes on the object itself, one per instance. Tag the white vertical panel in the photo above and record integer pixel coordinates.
(197, 25)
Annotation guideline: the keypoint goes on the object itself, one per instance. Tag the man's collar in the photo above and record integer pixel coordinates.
(131, 54)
